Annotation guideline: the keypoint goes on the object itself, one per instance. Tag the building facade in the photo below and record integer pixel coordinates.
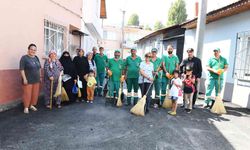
(112, 39)
(227, 28)
(50, 24)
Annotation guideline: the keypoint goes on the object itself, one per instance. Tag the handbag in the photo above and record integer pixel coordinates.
(74, 89)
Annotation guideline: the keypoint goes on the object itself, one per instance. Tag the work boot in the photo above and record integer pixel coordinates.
(135, 100)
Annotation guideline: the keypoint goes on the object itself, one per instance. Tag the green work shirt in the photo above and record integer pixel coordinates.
(156, 64)
(216, 64)
(116, 66)
(133, 66)
(170, 63)
(101, 62)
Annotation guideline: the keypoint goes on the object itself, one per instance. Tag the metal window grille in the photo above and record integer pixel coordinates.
(242, 57)
(54, 37)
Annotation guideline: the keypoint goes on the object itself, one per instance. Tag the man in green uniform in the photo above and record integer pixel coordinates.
(157, 81)
(115, 65)
(216, 66)
(101, 61)
(132, 65)
(169, 64)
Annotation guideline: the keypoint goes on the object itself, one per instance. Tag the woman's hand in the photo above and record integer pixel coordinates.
(151, 79)
(51, 78)
(25, 81)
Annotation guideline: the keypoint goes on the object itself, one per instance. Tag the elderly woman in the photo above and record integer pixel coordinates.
(30, 69)
(92, 65)
(52, 70)
(69, 69)
(146, 79)
(82, 69)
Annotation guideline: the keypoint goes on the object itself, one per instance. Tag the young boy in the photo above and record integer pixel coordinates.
(175, 91)
(189, 89)
(91, 82)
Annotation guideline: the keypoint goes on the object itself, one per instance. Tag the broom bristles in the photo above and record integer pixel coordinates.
(218, 106)
(167, 102)
(119, 101)
(138, 109)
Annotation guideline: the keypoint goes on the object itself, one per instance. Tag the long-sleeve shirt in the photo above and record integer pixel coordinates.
(194, 63)
(82, 65)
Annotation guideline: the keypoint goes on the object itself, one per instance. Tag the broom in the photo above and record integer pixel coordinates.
(167, 102)
(139, 108)
(119, 101)
(218, 107)
(51, 94)
(65, 97)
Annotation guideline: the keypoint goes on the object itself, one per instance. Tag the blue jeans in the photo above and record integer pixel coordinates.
(100, 78)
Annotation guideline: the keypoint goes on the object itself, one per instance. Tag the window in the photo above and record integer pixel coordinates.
(53, 37)
(242, 57)
(108, 35)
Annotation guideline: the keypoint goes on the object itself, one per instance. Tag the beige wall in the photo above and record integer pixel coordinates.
(22, 23)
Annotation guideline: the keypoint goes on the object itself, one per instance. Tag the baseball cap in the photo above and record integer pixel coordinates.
(154, 50)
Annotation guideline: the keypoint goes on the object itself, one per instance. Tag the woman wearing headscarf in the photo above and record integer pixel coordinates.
(53, 69)
(82, 69)
(92, 65)
(69, 69)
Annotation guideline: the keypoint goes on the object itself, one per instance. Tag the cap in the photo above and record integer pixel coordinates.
(117, 51)
(190, 50)
(217, 49)
(154, 50)
(133, 49)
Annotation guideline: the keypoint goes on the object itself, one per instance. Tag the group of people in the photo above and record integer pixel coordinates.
(167, 76)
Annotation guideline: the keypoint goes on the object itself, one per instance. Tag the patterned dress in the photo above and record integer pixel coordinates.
(51, 69)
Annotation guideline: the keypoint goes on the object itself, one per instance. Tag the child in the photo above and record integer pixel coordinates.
(175, 91)
(189, 89)
(91, 82)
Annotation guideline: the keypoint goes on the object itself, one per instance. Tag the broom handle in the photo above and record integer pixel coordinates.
(153, 80)
(51, 93)
(219, 90)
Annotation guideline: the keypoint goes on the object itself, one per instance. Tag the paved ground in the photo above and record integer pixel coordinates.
(96, 126)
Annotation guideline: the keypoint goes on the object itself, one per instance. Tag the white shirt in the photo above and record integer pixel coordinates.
(174, 91)
(148, 70)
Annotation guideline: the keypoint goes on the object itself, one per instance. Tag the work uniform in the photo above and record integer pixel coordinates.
(157, 80)
(101, 63)
(116, 67)
(214, 80)
(170, 65)
(133, 67)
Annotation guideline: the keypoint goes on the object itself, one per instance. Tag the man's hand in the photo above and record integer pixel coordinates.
(51, 78)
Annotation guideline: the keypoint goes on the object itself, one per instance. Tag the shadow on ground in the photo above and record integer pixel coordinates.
(100, 126)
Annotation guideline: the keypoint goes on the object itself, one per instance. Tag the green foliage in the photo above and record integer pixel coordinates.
(158, 25)
(177, 13)
(147, 27)
(134, 20)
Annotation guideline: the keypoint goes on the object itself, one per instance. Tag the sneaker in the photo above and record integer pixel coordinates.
(77, 100)
(169, 111)
(189, 111)
(91, 102)
(26, 110)
(82, 100)
(173, 113)
(155, 106)
(59, 106)
(33, 108)
(182, 106)
(87, 101)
